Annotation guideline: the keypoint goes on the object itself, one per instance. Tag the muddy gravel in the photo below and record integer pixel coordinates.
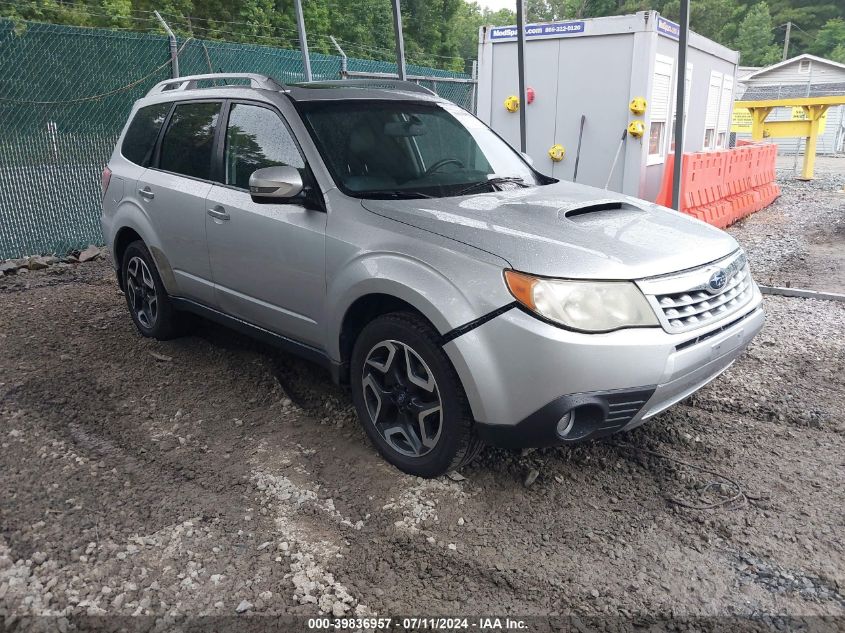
(209, 476)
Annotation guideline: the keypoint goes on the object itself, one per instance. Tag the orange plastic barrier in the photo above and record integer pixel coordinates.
(725, 186)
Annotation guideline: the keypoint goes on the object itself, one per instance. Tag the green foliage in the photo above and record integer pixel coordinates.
(830, 41)
(469, 19)
(716, 19)
(444, 33)
(755, 39)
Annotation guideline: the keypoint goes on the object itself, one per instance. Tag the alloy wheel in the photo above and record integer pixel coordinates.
(402, 398)
(141, 291)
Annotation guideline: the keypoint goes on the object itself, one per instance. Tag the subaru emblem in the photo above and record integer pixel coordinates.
(717, 280)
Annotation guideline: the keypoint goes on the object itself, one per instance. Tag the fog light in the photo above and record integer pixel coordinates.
(564, 425)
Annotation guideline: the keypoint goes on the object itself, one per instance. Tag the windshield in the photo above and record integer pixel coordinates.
(398, 149)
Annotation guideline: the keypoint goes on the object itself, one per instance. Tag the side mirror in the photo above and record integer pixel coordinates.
(527, 158)
(275, 182)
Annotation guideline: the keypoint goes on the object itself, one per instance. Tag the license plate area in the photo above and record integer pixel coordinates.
(727, 345)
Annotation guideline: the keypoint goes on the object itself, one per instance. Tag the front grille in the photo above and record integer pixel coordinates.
(686, 301)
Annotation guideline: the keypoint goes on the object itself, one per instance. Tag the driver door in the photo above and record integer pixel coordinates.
(267, 259)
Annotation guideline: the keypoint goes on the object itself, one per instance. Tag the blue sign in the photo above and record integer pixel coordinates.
(553, 29)
(668, 28)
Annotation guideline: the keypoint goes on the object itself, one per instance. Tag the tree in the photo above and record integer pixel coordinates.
(443, 33)
(830, 41)
(755, 38)
(716, 19)
(471, 17)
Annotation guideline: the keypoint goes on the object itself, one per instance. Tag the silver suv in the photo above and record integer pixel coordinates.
(392, 237)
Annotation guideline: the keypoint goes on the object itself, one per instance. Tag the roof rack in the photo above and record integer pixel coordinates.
(388, 83)
(191, 82)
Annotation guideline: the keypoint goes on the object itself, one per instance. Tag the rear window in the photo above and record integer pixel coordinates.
(189, 139)
(142, 133)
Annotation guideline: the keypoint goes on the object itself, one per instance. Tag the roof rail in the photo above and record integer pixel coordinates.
(190, 82)
(386, 83)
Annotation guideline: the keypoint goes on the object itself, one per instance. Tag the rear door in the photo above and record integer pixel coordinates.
(173, 192)
(268, 259)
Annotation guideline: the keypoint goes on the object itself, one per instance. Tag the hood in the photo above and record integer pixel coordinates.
(568, 230)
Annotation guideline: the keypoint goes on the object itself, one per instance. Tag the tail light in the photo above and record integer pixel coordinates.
(104, 183)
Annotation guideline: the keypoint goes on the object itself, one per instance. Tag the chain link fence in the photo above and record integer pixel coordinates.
(65, 93)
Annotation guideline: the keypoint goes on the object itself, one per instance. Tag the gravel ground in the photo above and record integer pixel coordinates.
(209, 476)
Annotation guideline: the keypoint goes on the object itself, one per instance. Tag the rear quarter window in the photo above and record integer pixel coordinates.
(141, 136)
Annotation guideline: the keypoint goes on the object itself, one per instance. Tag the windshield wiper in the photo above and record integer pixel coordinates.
(395, 194)
(496, 180)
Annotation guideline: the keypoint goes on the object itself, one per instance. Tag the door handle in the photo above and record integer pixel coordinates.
(218, 213)
(146, 193)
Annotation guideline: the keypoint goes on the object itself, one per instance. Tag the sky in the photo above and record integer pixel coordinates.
(495, 5)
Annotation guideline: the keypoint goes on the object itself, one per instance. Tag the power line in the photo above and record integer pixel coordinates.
(187, 23)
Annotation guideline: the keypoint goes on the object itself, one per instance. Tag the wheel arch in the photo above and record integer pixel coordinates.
(362, 311)
(133, 228)
(122, 239)
(363, 290)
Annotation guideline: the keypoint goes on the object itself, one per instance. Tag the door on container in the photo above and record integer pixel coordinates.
(594, 79)
(174, 190)
(540, 60)
(267, 258)
(541, 114)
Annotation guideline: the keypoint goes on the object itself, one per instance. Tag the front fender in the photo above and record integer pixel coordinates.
(460, 290)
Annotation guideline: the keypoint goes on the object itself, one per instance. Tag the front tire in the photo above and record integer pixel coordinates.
(150, 307)
(409, 397)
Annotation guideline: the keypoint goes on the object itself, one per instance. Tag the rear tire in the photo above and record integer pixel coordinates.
(409, 397)
(149, 306)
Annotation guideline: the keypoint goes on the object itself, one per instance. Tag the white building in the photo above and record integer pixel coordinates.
(594, 68)
(802, 76)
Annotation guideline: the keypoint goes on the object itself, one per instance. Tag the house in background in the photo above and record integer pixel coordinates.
(802, 76)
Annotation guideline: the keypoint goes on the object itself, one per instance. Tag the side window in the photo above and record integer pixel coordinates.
(725, 112)
(711, 115)
(188, 141)
(661, 90)
(255, 138)
(142, 133)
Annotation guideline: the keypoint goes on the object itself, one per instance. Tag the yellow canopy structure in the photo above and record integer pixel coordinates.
(814, 109)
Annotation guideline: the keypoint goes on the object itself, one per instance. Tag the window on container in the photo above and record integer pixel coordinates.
(188, 141)
(687, 89)
(661, 89)
(725, 112)
(141, 136)
(711, 115)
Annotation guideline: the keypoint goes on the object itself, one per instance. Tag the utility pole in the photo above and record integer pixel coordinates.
(786, 40)
(520, 62)
(400, 40)
(344, 62)
(683, 36)
(303, 40)
(174, 48)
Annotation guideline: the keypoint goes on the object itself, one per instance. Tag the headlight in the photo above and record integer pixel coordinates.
(589, 306)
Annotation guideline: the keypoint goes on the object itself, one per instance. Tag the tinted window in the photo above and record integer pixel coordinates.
(409, 148)
(142, 133)
(187, 143)
(256, 137)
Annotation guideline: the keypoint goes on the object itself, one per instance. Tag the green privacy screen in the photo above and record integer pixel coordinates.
(65, 93)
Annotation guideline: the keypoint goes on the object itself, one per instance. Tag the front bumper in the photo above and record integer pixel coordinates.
(521, 374)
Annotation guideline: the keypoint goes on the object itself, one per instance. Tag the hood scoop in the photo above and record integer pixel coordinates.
(601, 210)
